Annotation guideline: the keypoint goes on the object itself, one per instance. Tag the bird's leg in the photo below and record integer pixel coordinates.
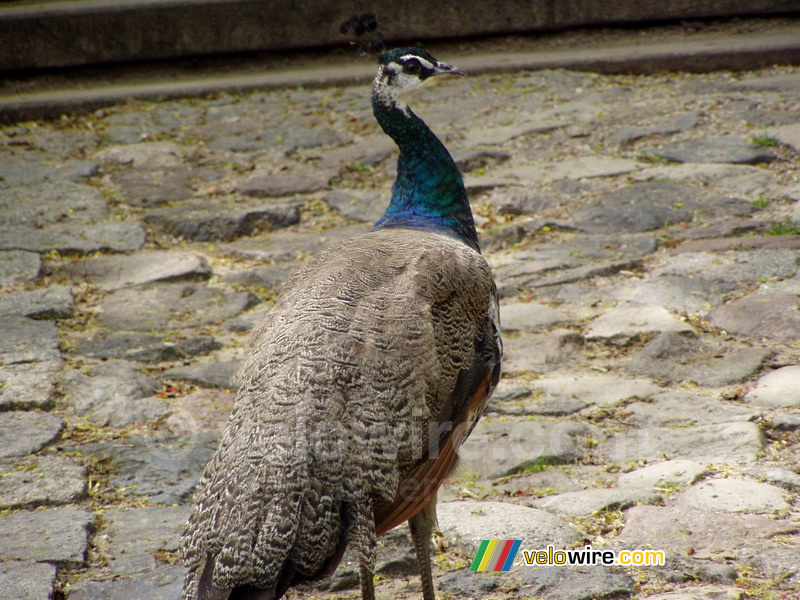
(367, 585)
(421, 526)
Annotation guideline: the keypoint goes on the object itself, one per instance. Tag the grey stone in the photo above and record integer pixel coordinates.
(585, 503)
(26, 432)
(469, 160)
(776, 475)
(144, 347)
(493, 136)
(623, 324)
(171, 306)
(771, 316)
(733, 496)
(581, 167)
(164, 583)
(722, 149)
(663, 474)
(25, 580)
(284, 183)
(206, 374)
(207, 223)
(115, 272)
(109, 236)
(40, 480)
(677, 408)
(705, 592)
(529, 316)
(574, 583)
(532, 485)
(19, 266)
(247, 321)
(55, 203)
(541, 352)
(678, 357)
(786, 421)
(654, 205)
(716, 443)
(113, 394)
(519, 200)
(788, 135)
(466, 524)
(682, 122)
(148, 188)
(370, 152)
(595, 389)
(139, 532)
(54, 302)
(466, 585)
(779, 388)
(270, 277)
(27, 386)
(56, 535)
(284, 245)
(674, 292)
(25, 341)
(366, 207)
(740, 180)
(145, 155)
(163, 469)
(703, 533)
(501, 447)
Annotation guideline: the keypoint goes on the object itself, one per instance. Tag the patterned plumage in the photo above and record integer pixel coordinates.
(375, 363)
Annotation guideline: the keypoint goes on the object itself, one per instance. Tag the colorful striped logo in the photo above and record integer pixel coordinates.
(495, 555)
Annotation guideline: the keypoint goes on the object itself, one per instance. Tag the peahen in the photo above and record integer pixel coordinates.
(361, 383)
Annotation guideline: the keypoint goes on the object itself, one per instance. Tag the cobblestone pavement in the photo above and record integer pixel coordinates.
(645, 235)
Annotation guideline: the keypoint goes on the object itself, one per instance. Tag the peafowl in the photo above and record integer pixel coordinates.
(360, 384)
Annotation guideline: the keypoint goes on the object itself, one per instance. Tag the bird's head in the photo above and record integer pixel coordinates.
(403, 71)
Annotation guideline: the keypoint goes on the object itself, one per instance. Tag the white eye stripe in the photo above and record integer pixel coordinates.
(424, 62)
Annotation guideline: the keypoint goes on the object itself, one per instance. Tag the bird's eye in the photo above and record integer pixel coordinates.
(412, 67)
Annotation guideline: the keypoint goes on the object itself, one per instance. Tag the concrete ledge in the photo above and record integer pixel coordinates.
(700, 53)
(69, 33)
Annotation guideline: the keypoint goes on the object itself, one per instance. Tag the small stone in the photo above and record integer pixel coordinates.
(581, 167)
(144, 347)
(496, 448)
(269, 277)
(26, 386)
(55, 203)
(585, 503)
(739, 180)
(468, 160)
(26, 341)
(164, 583)
(110, 236)
(466, 524)
(171, 306)
(595, 389)
(788, 135)
(465, 585)
(682, 122)
(720, 443)
(164, 470)
(529, 316)
(284, 183)
(206, 374)
(26, 432)
(136, 534)
(777, 389)
(771, 316)
(53, 302)
(733, 496)
(284, 245)
(674, 292)
(146, 155)
(623, 324)
(574, 583)
(25, 580)
(56, 535)
(40, 480)
(113, 394)
(723, 149)
(777, 475)
(541, 352)
(369, 152)
(207, 223)
(664, 474)
(152, 187)
(702, 593)
(116, 272)
(786, 421)
(366, 207)
(19, 266)
(677, 408)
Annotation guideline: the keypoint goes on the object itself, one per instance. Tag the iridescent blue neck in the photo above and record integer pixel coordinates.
(429, 191)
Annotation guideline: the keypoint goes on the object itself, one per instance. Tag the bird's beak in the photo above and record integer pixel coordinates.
(445, 69)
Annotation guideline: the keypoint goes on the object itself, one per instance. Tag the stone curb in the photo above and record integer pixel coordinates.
(701, 53)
